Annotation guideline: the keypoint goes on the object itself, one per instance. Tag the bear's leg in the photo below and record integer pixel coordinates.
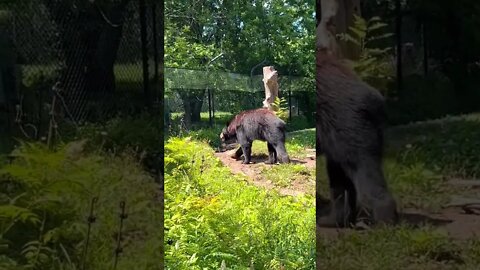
(281, 152)
(245, 144)
(272, 154)
(238, 153)
(343, 198)
(247, 152)
(373, 195)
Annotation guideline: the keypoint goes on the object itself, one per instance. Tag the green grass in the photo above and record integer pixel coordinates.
(284, 175)
(295, 144)
(449, 146)
(398, 248)
(212, 216)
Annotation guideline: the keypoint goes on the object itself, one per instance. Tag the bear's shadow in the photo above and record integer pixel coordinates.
(415, 220)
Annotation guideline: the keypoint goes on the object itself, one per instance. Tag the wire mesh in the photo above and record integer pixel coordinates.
(90, 52)
(198, 95)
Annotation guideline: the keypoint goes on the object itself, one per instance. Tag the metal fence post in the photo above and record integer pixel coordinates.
(290, 104)
(143, 37)
(398, 33)
(209, 107)
(155, 44)
(213, 106)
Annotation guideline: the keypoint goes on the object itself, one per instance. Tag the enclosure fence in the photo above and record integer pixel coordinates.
(78, 62)
(198, 95)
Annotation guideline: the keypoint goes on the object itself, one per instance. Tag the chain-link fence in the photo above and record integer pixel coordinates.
(76, 61)
(206, 98)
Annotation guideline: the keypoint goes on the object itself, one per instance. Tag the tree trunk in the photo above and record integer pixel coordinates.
(318, 11)
(326, 29)
(192, 104)
(270, 83)
(336, 17)
(90, 44)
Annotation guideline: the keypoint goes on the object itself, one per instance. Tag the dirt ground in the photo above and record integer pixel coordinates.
(460, 219)
(252, 171)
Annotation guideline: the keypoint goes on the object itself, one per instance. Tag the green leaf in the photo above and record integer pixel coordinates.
(376, 26)
(12, 212)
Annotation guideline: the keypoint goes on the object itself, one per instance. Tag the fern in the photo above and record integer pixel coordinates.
(372, 65)
(45, 196)
(280, 107)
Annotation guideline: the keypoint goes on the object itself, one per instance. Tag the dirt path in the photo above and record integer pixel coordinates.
(453, 220)
(461, 221)
(253, 173)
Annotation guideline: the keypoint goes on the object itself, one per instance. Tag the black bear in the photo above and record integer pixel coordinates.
(259, 124)
(350, 120)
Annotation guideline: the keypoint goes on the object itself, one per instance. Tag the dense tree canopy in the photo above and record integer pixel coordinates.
(278, 31)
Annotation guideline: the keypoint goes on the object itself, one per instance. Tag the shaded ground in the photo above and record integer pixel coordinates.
(454, 221)
(458, 216)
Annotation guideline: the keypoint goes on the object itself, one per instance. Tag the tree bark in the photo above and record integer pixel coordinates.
(326, 29)
(192, 104)
(336, 17)
(270, 83)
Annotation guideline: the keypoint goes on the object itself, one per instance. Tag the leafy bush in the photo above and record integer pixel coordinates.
(45, 201)
(212, 216)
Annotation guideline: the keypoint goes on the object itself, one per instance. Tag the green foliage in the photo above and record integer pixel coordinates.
(212, 216)
(140, 132)
(281, 31)
(45, 198)
(280, 107)
(373, 65)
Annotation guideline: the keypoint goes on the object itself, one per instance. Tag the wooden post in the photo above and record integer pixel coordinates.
(326, 29)
(270, 82)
